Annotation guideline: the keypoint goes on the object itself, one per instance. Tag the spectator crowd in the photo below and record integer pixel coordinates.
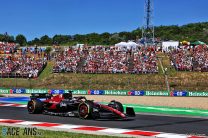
(145, 61)
(21, 66)
(106, 62)
(15, 63)
(67, 61)
(7, 48)
(101, 59)
(190, 59)
(29, 62)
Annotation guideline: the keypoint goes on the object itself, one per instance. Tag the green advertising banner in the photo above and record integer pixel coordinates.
(36, 91)
(115, 92)
(78, 92)
(157, 93)
(107, 92)
(4, 91)
(198, 94)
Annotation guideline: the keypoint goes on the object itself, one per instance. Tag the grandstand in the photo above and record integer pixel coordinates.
(107, 60)
(21, 63)
(190, 59)
(105, 67)
(7, 48)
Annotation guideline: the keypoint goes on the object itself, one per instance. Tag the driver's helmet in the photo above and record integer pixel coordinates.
(67, 95)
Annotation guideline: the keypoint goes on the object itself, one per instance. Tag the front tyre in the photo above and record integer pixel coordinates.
(85, 110)
(35, 106)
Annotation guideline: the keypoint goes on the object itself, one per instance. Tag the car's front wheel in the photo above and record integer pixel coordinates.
(35, 106)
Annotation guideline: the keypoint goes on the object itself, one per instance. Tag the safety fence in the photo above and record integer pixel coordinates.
(107, 92)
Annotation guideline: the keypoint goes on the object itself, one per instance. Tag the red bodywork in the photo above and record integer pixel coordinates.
(113, 110)
(54, 101)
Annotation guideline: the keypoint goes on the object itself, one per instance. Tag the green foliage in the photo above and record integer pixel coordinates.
(61, 39)
(46, 40)
(190, 32)
(21, 39)
(36, 41)
(6, 38)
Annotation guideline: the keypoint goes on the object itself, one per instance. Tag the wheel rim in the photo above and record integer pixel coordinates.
(83, 110)
(31, 107)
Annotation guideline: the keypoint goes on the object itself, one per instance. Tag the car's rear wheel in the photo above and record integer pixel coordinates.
(35, 106)
(85, 110)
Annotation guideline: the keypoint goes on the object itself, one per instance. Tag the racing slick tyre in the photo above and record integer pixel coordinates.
(116, 105)
(85, 110)
(35, 106)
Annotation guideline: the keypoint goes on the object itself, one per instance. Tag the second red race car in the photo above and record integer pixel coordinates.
(67, 105)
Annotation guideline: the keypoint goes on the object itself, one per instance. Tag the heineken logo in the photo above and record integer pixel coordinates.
(115, 92)
(160, 93)
(198, 94)
(36, 91)
(80, 92)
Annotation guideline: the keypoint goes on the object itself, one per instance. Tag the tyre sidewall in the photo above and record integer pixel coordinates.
(37, 106)
(89, 106)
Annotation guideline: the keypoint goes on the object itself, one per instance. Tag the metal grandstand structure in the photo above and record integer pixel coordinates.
(148, 32)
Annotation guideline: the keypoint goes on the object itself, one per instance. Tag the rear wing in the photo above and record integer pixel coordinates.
(40, 95)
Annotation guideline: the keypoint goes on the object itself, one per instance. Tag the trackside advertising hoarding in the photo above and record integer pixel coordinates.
(78, 92)
(4, 91)
(107, 92)
(115, 92)
(36, 91)
(198, 94)
(157, 93)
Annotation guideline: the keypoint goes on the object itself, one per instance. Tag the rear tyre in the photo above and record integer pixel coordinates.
(85, 110)
(35, 106)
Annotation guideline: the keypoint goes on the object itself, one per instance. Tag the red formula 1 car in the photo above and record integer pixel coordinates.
(66, 105)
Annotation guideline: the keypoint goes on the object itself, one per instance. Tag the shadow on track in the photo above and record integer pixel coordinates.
(120, 120)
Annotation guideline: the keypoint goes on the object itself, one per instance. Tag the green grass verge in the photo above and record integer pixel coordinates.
(46, 71)
(168, 110)
(53, 134)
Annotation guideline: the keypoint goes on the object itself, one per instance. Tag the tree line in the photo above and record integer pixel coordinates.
(190, 32)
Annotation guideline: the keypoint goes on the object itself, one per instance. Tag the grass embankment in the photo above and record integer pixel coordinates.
(88, 81)
(185, 80)
(192, 81)
(52, 134)
(26, 83)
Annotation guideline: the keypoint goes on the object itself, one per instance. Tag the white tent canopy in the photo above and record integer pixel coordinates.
(168, 45)
(121, 44)
(126, 45)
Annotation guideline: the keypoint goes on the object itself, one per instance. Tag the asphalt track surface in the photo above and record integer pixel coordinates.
(180, 125)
